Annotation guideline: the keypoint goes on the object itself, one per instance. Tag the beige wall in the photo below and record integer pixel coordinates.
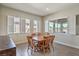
(0, 17)
(42, 24)
(77, 24)
(70, 39)
(1, 21)
(4, 12)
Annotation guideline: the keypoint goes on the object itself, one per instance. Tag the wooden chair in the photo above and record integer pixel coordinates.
(30, 44)
(52, 37)
(47, 33)
(46, 47)
(40, 45)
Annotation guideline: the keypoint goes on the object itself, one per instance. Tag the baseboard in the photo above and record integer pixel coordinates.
(67, 44)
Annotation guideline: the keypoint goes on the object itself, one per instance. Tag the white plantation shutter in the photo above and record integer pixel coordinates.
(27, 25)
(22, 25)
(35, 26)
(16, 24)
(10, 24)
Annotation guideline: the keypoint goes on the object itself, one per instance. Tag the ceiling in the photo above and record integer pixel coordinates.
(40, 9)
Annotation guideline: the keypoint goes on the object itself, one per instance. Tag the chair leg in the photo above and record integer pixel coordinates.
(31, 51)
(44, 51)
(49, 49)
(27, 48)
(53, 47)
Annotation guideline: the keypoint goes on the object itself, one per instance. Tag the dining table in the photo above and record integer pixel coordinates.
(38, 38)
(40, 42)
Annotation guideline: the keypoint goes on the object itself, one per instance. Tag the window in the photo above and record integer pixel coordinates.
(59, 25)
(27, 26)
(10, 24)
(64, 29)
(35, 26)
(21, 25)
(51, 26)
(16, 25)
(56, 27)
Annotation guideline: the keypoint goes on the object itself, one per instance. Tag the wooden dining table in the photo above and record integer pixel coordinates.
(37, 40)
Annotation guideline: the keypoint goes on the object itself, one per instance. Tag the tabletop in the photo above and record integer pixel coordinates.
(38, 38)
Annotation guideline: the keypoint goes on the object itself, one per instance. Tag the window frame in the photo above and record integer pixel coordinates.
(22, 25)
(56, 29)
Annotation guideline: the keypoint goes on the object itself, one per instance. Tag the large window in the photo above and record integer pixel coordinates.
(60, 25)
(22, 25)
(27, 26)
(65, 27)
(35, 26)
(51, 26)
(16, 25)
(56, 27)
(10, 24)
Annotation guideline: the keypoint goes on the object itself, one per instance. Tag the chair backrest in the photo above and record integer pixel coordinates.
(39, 34)
(40, 43)
(30, 41)
(52, 38)
(48, 33)
(33, 34)
(47, 40)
